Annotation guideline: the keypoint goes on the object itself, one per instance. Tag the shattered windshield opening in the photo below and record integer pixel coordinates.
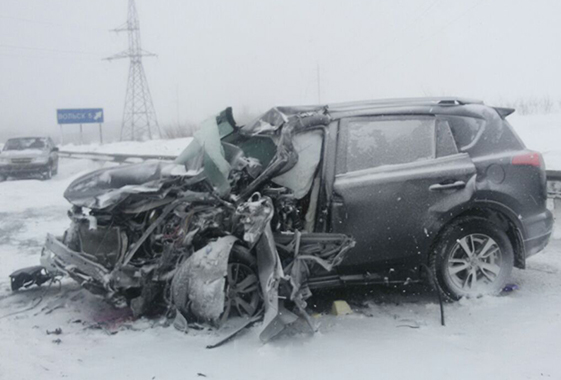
(259, 141)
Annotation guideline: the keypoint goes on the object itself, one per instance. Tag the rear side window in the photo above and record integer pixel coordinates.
(373, 142)
(499, 138)
(465, 129)
(479, 137)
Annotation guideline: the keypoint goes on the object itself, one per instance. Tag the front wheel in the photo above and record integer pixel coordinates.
(473, 257)
(242, 291)
(49, 172)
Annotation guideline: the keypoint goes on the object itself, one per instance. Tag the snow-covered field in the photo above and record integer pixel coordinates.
(391, 335)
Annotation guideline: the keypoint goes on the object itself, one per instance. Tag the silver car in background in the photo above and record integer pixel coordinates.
(28, 156)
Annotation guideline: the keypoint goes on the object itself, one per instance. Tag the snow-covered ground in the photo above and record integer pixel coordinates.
(393, 334)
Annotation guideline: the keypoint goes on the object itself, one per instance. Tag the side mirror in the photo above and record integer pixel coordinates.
(55, 149)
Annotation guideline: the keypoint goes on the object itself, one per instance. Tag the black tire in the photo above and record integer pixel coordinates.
(483, 272)
(48, 174)
(243, 301)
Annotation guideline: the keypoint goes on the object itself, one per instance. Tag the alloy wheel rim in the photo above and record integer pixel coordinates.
(242, 291)
(474, 264)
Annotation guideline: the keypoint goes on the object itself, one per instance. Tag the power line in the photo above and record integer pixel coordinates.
(56, 57)
(49, 23)
(407, 27)
(20, 47)
(419, 43)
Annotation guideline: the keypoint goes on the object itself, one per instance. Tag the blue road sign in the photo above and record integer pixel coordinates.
(80, 116)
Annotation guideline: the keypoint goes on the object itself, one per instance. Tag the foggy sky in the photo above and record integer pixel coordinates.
(253, 55)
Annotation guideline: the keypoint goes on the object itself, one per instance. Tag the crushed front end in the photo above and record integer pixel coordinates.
(228, 228)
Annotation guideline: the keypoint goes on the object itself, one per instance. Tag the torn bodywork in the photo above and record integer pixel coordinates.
(26, 277)
(226, 229)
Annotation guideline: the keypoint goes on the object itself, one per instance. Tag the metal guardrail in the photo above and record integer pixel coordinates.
(554, 184)
(553, 175)
(114, 157)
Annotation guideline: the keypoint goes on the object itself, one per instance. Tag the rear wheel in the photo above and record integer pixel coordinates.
(473, 257)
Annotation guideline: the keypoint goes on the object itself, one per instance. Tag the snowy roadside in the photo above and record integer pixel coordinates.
(392, 335)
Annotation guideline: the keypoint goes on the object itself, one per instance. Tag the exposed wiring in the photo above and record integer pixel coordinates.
(36, 303)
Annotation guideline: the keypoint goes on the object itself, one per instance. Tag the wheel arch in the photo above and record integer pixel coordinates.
(497, 213)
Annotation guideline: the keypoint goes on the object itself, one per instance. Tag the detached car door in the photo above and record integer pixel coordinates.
(396, 178)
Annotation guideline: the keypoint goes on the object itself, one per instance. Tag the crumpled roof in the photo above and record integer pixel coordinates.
(275, 117)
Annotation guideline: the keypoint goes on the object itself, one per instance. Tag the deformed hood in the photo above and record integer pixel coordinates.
(294, 164)
(106, 187)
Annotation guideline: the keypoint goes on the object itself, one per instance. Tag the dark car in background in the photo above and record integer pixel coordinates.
(27, 156)
(256, 216)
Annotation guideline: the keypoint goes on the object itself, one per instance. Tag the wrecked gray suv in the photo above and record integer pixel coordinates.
(249, 220)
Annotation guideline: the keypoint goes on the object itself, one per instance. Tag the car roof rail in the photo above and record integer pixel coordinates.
(458, 102)
(401, 102)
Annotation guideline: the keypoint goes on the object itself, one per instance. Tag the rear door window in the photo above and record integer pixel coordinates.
(445, 144)
(380, 141)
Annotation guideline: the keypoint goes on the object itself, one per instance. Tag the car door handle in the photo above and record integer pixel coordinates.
(447, 186)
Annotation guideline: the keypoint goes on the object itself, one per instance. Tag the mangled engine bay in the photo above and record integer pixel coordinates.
(227, 229)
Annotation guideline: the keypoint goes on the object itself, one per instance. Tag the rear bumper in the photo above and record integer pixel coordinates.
(538, 231)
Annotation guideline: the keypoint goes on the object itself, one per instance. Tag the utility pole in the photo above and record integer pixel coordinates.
(177, 103)
(139, 116)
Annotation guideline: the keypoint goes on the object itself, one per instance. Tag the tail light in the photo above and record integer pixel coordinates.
(530, 159)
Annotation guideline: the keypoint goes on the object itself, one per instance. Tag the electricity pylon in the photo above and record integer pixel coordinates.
(139, 115)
